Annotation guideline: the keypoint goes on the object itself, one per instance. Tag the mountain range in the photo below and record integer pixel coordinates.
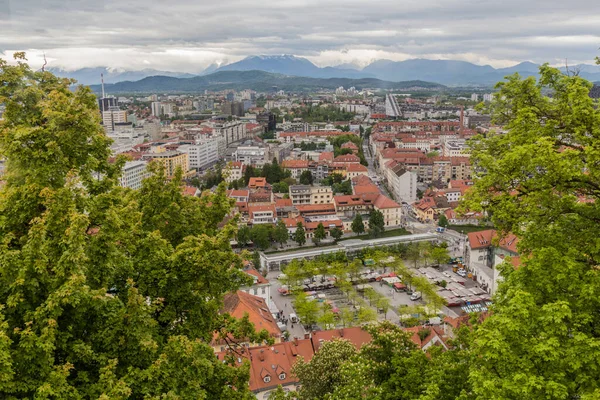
(256, 80)
(446, 72)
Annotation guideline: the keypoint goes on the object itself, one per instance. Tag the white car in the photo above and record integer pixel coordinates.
(281, 276)
(416, 296)
(462, 273)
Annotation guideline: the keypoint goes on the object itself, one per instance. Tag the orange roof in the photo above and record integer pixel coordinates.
(362, 180)
(268, 364)
(347, 158)
(257, 182)
(481, 239)
(283, 203)
(312, 208)
(235, 164)
(294, 164)
(384, 202)
(311, 226)
(349, 145)
(326, 156)
(262, 208)
(190, 191)
(292, 222)
(259, 279)
(360, 189)
(353, 167)
(433, 334)
(239, 303)
(356, 335)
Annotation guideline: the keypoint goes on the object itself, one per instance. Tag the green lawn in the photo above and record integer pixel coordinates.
(390, 233)
(468, 228)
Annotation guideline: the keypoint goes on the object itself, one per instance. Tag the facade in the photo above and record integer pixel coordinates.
(250, 155)
(113, 116)
(202, 154)
(300, 194)
(156, 108)
(133, 174)
(402, 182)
(296, 167)
(320, 195)
(171, 160)
(233, 171)
(262, 214)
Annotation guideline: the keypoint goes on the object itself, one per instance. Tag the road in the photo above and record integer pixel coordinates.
(284, 303)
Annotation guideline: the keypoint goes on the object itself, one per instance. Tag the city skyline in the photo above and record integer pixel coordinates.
(188, 37)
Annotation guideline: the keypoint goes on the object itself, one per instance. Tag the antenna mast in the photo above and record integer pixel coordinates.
(102, 78)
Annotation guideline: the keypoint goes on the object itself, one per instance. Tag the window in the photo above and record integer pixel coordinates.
(263, 289)
(267, 379)
(282, 376)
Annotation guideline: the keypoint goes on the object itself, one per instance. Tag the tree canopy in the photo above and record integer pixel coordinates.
(101, 285)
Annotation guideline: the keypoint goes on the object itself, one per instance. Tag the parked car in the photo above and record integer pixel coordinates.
(281, 276)
(462, 273)
(416, 296)
(294, 318)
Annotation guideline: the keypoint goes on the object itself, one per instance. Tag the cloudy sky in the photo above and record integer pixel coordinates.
(189, 35)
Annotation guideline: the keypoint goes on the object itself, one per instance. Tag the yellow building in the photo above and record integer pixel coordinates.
(170, 160)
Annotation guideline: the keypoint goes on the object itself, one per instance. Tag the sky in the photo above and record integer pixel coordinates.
(189, 35)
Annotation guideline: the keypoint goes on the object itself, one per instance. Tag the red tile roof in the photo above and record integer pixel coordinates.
(259, 279)
(283, 203)
(326, 156)
(294, 164)
(240, 303)
(190, 191)
(353, 167)
(481, 239)
(347, 158)
(257, 182)
(356, 335)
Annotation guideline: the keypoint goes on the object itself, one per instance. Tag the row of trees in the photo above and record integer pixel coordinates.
(263, 236)
(376, 224)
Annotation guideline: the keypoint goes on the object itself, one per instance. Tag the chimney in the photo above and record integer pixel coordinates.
(307, 336)
(341, 332)
(261, 356)
(295, 341)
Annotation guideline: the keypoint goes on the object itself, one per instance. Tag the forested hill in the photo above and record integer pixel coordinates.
(256, 80)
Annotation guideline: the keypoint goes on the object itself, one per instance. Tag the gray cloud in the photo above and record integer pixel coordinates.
(188, 35)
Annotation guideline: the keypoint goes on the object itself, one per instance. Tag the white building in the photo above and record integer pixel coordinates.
(456, 148)
(250, 155)
(488, 97)
(113, 116)
(133, 174)
(202, 154)
(156, 108)
(474, 97)
(401, 182)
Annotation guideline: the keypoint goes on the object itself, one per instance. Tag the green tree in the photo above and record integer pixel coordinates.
(443, 221)
(322, 373)
(439, 255)
(102, 284)
(376, 223)
(336, 233)
(306, 178)
(249, 172)
(280, 233)
(243, 235)
(541, 184)
(300, 234)
(261, 235)
(319, 234)
(358, 225)
(281, 187)
(307, 309)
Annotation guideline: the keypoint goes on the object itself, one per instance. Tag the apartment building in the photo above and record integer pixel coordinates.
(202, 154)
(233, 171)
(171, 160)
(250, 155)
(133, 174)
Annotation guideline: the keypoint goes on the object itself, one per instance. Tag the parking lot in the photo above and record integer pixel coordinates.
(461, 294)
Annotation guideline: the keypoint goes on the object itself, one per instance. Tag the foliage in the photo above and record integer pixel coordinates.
(358, 225)
(319, 234)
(101, 285)
(274, 173)
(345, 187)
(376, 223)
(307, 309)
(261, 235)
(322, 373)
(280, 233)
(336, 233)
(281, 187)
(541, 184)
(443, 221)
(243, 235)
(306, 178)
(300, 234)
(332, 179)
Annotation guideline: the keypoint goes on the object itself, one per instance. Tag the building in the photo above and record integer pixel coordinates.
(258, 182)
(233, 108)
(203, 154)
(456, 148)
(296, 167)
(233, 171)
(156, 107)
(481, 253)
(488, 97)
(171, 160)
(250, 155)
(113, 116)
(300, 194)
(401, 182)
(133, 174)
(474, 97)
(262, 214)
(320, 195)
(238, 305)
(260, 286)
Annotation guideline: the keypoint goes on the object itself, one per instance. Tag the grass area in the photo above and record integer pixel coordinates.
(468, 228)
(386, 234)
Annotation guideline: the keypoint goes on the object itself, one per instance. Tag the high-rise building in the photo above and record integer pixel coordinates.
(156, 108)
(133, 174)
(488, 97)
(105, 103)
(474, 97)
(113, 116)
